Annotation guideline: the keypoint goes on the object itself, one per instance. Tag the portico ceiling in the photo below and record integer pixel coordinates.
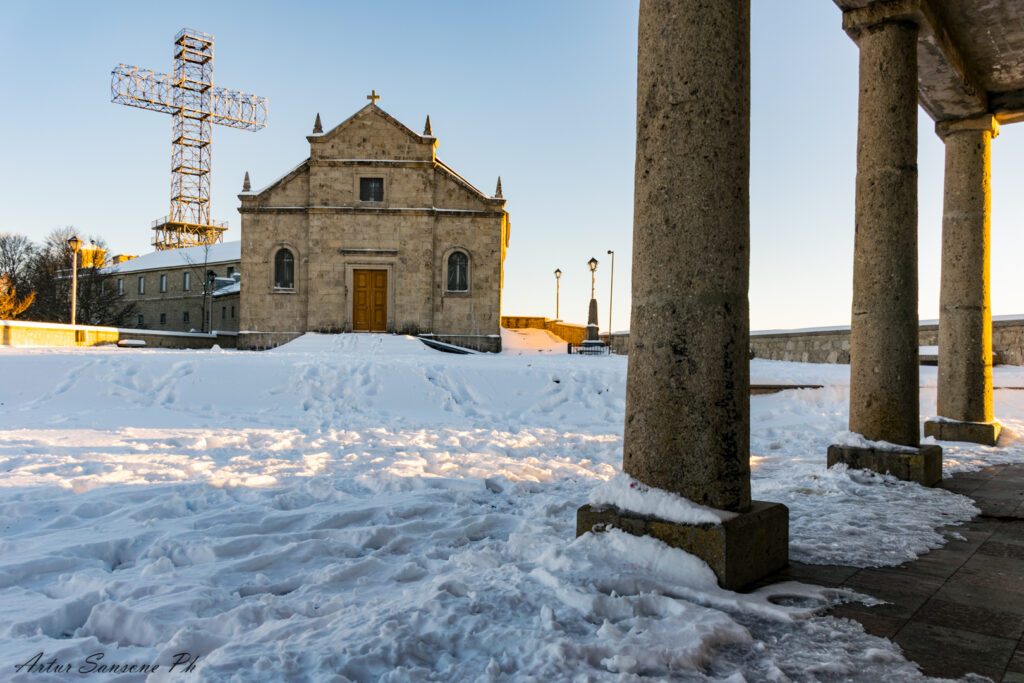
(970, 52)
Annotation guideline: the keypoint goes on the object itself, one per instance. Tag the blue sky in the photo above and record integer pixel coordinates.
(542, 93)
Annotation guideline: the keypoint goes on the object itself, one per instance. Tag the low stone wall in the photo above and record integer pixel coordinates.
(810, 346)
(25, 333)
(261, 341)
(1007, 340)
(832, 344)
(574, 334)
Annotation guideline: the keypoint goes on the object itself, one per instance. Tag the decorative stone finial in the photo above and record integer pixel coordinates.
(426, 128)
(317, 126)
(373, 97)
(497, 190)
(245, 183)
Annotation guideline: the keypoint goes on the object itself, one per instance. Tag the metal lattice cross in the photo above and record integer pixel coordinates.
(190, 97)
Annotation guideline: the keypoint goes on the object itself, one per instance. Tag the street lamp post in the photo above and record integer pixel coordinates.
(558, 292)
(592, 336)
(74, 243)
(611, 291)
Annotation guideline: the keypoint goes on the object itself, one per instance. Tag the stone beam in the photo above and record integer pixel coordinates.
(948, 87)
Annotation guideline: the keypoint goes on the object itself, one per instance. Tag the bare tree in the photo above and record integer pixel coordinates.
(201, 271)
(10, 305)
(16, 252)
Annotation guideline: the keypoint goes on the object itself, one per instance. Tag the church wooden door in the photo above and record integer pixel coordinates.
(370, 303)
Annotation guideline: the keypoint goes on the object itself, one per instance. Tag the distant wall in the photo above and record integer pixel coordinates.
(618, 341)
(24, 333)
(832, 344)
(574, 334)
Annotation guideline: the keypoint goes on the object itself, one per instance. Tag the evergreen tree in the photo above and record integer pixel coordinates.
(10, 305)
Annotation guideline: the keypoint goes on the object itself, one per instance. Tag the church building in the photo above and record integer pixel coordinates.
(372, 233)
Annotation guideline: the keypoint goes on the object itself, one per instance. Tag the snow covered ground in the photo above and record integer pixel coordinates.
(360, 507)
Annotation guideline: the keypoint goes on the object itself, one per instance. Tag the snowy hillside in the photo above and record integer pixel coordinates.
(360, 507)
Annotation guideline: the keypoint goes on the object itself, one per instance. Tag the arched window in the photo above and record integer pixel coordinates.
(284, 269)
(458, 272)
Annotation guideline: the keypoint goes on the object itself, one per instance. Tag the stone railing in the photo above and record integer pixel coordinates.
(574, 334)
(832, 344)
(26, 333)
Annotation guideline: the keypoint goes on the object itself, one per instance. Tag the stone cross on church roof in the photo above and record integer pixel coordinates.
(373, 96)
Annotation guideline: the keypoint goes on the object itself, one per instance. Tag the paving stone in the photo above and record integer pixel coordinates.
(903, 593)
(969, 546)
(960, 608)
(1010, 531)
(938, 564)
(874, 622)
(943, 651)
(969, 617)
(962, 486)
(999, 488)
(978, 528)
(822, 575)
(1017, 662)
(998, 508)
(981, 475)
(1002, 573)
(966, 589)
(998, 548)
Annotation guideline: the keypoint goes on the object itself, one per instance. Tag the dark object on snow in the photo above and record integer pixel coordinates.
(442, 346)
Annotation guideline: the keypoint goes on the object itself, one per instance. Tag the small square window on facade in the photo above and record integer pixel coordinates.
(232, 312)
(142, 320)
(371, 189)
(186, 281)
(184, 317)
(142, 284)
(231, 271)
(223, 312)
(163, 318)
(120, 286)
(163, 283)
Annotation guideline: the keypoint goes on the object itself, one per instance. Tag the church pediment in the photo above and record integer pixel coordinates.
(371, 133)
(371, 149)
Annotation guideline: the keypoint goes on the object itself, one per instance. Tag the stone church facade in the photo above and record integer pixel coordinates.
(372, 232)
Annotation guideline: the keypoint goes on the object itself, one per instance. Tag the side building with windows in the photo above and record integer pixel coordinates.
(373, 233)
(183, 290)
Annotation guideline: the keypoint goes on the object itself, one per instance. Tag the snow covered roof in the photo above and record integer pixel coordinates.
(234, 288)
(224, 252)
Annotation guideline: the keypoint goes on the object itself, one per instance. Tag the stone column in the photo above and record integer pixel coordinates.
(965, 321)
(884, 394)
(688, 387)
(592, 328)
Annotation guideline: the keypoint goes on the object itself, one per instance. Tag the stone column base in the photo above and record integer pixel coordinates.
(986, 433)
(740, 551)
(923, 465)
